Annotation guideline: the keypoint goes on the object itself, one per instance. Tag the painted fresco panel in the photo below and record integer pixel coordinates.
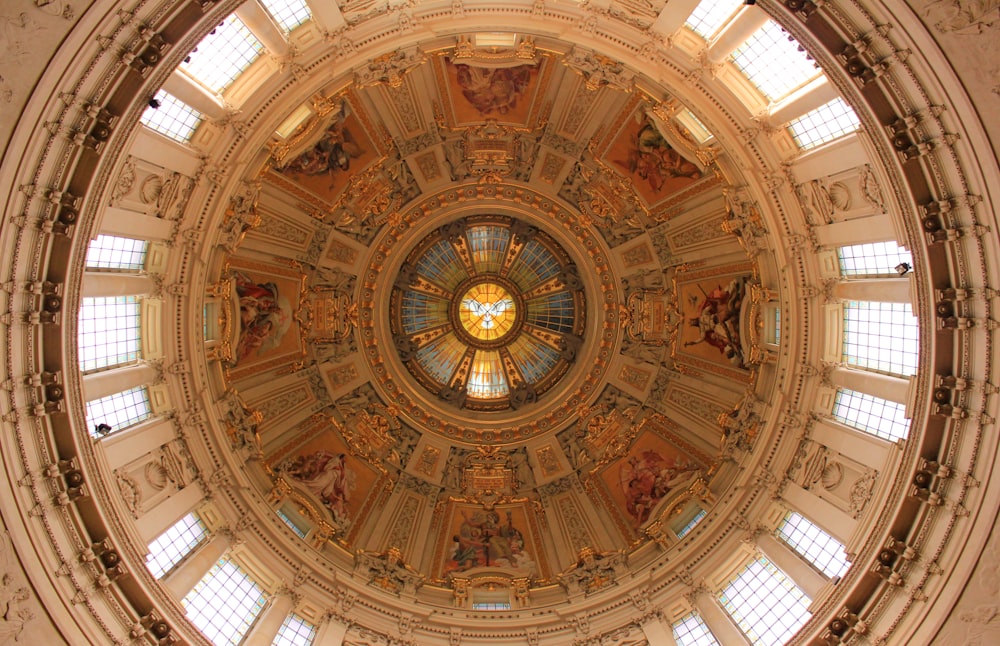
(712, 305)
(655, 168)
(501, 93)
(325, 168)
(268, 299)
(503, 537)
(652, 469)
(324, 470)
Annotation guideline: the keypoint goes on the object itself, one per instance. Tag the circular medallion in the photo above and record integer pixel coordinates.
(487, 313)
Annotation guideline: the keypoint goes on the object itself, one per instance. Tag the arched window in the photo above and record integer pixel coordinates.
(118, 411)
(108, 332)
(883, 337)
(171, 117)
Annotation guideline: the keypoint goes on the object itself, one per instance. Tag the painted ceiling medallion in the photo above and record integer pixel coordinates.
(487, 313)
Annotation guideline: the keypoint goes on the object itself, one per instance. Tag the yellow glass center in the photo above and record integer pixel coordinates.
(487, 311)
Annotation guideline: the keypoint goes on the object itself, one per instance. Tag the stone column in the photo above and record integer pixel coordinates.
(835, 522)
(747, 21)
(657, 631)
(157, 520)
(263, 27)
(109, 382)
(267, 625)
(331, 633)
(896, 389)
(106, 283)
(189, 91)
(815, 94)
(718, 621)
(808, 578)
(873, 228)
(672, 18)
(884, 290)
(185, 576)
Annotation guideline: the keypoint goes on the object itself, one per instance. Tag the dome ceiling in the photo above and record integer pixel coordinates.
(479, 324)
(545, 262)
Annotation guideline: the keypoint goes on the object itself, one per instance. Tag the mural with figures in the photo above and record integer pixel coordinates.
(267, 298)
(502, 537)
(711, 306)
(655, 167)
(329, 475)
(326, 167)
(653, 468)
(501, 93)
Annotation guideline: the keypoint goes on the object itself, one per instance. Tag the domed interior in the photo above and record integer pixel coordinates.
(536, 323)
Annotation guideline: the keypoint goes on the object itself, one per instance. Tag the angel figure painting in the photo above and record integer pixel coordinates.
(500, 93)
(653, 469)
(655, 167)
(712, 318)
(326, 167)
(484, 538)
(326, 475)
(265, 316)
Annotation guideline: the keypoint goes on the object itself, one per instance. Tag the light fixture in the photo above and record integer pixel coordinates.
(902, 268)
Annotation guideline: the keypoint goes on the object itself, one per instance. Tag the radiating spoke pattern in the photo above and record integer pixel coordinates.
(505, 314)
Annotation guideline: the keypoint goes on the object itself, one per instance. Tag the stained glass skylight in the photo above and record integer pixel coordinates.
(483, 316)
(487, 311)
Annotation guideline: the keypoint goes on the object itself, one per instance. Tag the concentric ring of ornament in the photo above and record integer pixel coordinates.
(487, 313)
(579, 387)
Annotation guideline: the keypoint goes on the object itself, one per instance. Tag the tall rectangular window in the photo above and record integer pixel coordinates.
(874, 415)
(884, 337)
(120, 410)
(690, 630)
(825, 123)
(296, 631)
(825, 552)
(116, 253)
(758, 55)
(873, 259)
(108, 332)
(291, 523)
(710, 15)
(173, 545)
(225, 603)
(172, 117)
(691, 524)
(223, 54)
(289, 14)
(767, 606)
